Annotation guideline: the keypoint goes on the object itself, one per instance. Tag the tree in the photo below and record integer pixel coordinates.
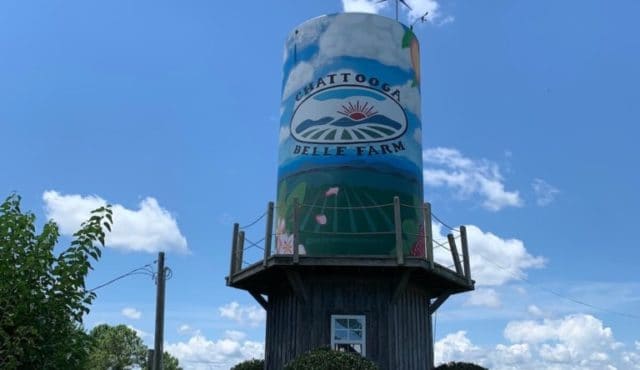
(460, 366)
(43, 296)
(252, 364)
(115, 347)
(169, 362)
(327, 359)
(119, 347)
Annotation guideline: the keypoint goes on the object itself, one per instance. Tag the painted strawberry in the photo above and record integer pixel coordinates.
(409, 40)
(417, 249)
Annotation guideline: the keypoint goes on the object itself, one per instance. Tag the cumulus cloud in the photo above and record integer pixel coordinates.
(199, 352)
(545, 192)
(150, 228)
(131, 313)
(573, 342)
(455, 347)
(483, 297)
(252, 315)
(185, 329)
(448, 167)
(363, 6)
(494, 260)
(418, 7)
(141, 333)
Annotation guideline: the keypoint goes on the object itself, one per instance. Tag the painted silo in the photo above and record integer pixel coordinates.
(350, 137)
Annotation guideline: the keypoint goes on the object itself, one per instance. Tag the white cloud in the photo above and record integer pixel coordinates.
(235, 334)
(141, 333)
(418, 7)
(131, 313)
(252, 315)
(364, 6)
(185, 329)
(575, 342)
(150, 228)
(199, 353)
(494, 260)
(455, 347)
(483, 297)
(535, 311)
(447, 167)
(511, 355)
(417, 135)
(545, 192)
(285, 133)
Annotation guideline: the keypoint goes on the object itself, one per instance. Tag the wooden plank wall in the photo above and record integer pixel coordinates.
(397, 334)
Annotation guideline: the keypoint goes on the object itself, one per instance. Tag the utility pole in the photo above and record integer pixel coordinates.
(159, 336)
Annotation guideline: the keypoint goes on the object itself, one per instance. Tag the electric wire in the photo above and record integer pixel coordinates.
(137, 271)
(254, 222)
(566, 297)
(443, 223)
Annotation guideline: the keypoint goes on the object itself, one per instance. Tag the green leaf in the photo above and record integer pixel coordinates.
(407, 37)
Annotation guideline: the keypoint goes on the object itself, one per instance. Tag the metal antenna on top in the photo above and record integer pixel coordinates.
(421, 19)
(397, 5)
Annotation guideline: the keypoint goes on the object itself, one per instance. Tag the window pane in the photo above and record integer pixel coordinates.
(342, 323)
(355, 335)
(341, 334)
(355, 324)
(353, 348)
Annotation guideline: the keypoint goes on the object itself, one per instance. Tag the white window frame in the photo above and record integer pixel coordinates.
(362, 342)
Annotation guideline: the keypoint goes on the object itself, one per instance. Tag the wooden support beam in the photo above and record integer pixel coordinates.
(465, 254)
(296, 229)
(428, 232)
(401, 287)
(239, 251)
(454, 254)
(260, 299)
(433, 307)
(398, 228)
(297, 285)
(234, 245)
(268, 235)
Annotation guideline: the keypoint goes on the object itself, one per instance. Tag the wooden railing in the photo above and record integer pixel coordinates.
(461, 265)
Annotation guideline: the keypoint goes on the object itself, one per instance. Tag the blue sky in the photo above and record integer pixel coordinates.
(170, 110)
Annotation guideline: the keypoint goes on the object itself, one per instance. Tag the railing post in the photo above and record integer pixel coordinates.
(234, 246)
(465, 253)
(454, 253)
(268, 235)
(296, 250)
(398, 224)
(239, 251)
(428, 233)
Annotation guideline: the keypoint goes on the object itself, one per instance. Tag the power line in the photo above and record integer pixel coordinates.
(137, 271)
(560, 295)
(443, 223)
(254, 222)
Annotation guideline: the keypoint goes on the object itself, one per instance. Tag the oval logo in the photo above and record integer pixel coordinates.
(348, 114)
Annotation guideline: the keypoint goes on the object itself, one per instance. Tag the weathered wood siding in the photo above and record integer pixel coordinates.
(397, 335)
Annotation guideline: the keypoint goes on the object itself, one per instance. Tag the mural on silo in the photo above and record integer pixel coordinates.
(350, 137)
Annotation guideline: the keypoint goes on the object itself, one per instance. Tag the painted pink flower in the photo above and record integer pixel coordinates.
(418, 247)
(284, 244)
(332, 191)
(321, 219)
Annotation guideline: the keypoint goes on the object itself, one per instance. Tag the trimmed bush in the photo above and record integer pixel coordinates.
(460, 366)
(250, 365)
(326, 359)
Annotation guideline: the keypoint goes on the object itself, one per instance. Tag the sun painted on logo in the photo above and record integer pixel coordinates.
(346, 115)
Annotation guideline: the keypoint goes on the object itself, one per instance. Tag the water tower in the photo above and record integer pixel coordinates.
(348, 249)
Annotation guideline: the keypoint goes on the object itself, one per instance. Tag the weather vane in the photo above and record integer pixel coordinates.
(421, 19)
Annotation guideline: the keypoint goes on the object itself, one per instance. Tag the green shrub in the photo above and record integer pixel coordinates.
(249, 365)
(459, 366)
(326, 359)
